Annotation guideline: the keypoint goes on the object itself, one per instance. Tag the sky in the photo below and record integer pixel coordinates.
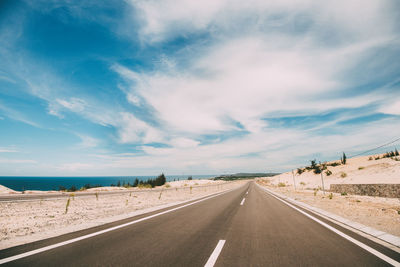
(194, 87)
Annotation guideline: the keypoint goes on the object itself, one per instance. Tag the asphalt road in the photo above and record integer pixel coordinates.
(258, 231)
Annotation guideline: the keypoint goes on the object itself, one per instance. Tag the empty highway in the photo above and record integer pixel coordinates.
(243, 227)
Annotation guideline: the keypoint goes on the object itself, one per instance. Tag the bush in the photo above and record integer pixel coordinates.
(72, 189)
(144, 185)
(302, 183)
(300, 171)
(167, 185)
(343, 194)
(281, 184)
(330, 196)
(370, 158)
(361, 168)
(343, 160)
(334, 164)
(343, 175)
(317, 170)
(62, 188)
(328, 173)
(190, 178)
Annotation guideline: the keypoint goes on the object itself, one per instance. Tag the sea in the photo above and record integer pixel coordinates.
(53, 183)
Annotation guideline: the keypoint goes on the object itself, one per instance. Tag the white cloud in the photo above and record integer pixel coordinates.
(17, 161)
(74, 104)
(391, 108)
(87, 141)
(7, 150)
(133, 130)
(247, 79)
(184, 143)
(353, 19)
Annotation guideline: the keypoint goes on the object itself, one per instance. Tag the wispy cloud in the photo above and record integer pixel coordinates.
(7, 150)
(17, 161)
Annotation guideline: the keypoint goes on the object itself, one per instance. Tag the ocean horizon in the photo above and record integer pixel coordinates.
(46, 183)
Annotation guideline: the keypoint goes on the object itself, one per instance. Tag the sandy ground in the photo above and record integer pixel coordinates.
(27, 221)
(358, 170)
(6, 190)
(377, 212)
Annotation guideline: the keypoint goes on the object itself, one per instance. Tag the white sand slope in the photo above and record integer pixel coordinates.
(6, 190)
(359, 170)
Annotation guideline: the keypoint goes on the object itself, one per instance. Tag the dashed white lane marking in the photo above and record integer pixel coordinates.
(39, 250)
(241, 203)
(214, 256)
(358, 243)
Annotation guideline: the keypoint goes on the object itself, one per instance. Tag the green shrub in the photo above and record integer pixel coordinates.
(328, 173)
(361, 168)
(343, 194)
(62, 188)
(300, 171)
(72, 189)
(330, 196)
(302, 183)
(343, 175)
(334, 164)
(281, 184)
(167, 185)
(370, 158)
(343, 160)
(144, 186)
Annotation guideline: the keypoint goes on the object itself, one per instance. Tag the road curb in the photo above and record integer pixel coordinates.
(388, 238)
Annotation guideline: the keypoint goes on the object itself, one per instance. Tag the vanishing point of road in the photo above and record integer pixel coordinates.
(242, 227)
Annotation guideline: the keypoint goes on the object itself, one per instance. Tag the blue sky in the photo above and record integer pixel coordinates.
(194, 87)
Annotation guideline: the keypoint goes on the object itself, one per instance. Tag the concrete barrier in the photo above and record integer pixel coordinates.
(377, 190)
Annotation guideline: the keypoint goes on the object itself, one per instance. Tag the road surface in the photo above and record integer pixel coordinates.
(243, 227)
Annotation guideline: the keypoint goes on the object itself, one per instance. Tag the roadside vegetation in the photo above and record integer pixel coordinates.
(242, 176)
(149, 183)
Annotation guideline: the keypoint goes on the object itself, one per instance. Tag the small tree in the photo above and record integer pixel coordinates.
(136, 182)
(313, 164)
(343, 159)
(396, 152)
(190, 178)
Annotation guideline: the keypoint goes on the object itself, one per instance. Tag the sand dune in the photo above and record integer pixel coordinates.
(360, 170)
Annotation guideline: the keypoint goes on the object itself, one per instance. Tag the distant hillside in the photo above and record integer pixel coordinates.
(238, 176)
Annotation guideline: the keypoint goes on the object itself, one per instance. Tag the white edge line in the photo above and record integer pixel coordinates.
(39, 250)
(358, 243)
(243, 200)
(214, 256)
